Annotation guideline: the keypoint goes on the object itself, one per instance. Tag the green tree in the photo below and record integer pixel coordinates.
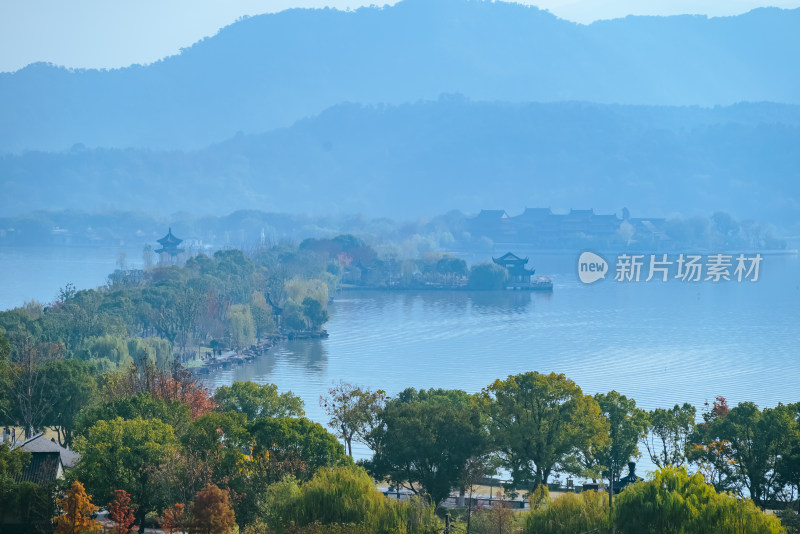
(674, 502)
(668, 434)
(293, 316)
(315, 313)
(5, 379)
(425, 440)
(241, 326)
(627, 425)
(110, 348)
(278, 506)
(5, 347)
(123, 454)
(451, 265)
(221, 444)
(143, 406)
(712, 456)
(540, 421)
(258, 400)
(29, 392)
(12, 462)
(71, 387)
(487, 276)
(788, 465)
(35, 505)
(187, 305)
(353, 411)
(304, 446)
(755, 442)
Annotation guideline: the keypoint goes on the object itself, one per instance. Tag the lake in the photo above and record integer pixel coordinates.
(660, 343)
(37, 273)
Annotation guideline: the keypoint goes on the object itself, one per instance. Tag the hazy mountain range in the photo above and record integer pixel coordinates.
(420, 108)
(452, 153)
(271, 70)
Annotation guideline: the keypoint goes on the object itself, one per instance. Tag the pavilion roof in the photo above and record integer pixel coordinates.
(170, 240)
(509, 257)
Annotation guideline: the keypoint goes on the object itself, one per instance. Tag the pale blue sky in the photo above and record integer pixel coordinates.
(116, 33)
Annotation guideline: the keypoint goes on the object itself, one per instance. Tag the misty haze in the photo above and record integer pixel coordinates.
(437, 266)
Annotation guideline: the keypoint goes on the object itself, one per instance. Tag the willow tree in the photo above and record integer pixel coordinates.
(674, 502)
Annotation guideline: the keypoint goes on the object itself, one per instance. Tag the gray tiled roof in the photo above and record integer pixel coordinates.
(43, 468)
(39, 443)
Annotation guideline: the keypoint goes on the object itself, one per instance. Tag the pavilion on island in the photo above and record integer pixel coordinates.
(169, 245)
(518, 275)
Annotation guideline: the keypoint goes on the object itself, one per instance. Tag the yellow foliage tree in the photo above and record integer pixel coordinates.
(78, 510)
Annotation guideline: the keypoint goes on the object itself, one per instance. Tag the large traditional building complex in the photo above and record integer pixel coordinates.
(543, 227)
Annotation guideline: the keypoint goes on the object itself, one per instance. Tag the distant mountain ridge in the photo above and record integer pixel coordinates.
(269, 71)
(430, 157)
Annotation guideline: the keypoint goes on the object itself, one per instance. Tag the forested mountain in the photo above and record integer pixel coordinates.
(268, 71)
(429, 157)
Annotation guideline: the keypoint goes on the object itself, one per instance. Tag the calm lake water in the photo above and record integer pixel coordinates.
(37, 273)
(660, 343)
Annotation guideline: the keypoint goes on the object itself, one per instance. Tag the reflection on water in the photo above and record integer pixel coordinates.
(660, 343)
(309, 356)
(288, 360)
(508, 301)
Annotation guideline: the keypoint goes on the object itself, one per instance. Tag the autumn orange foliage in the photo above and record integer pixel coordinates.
(121, 513)
(212, 512)
(78, 510)
(176, 384)
(173, 519)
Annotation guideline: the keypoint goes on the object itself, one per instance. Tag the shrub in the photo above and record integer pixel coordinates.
(342, 500)
(583, 512)
(498, 519)
(488, 276)
(347, 495)
(674, 502)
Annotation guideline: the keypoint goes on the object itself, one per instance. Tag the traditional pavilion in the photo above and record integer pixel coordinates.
(169, 245)
(518, 275)
(626, 481)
